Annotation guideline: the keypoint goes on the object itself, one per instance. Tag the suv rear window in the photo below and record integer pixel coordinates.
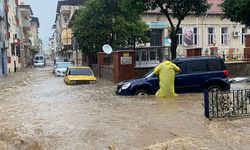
(215, 65)
(196, 67)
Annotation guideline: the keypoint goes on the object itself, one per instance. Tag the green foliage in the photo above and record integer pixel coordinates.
(108, 21)
(237, 11)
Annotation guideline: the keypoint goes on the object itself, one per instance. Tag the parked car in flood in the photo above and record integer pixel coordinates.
(56, 60)
(197, 74)
(61, 67)
(39, 60)
(79, 75)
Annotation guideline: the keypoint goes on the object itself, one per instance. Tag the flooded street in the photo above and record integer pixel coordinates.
(39, 112)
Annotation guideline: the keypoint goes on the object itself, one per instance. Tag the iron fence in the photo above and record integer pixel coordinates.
(234, 103)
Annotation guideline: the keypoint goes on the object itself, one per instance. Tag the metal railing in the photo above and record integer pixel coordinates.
(234, 103)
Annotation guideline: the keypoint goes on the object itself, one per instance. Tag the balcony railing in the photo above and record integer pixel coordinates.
(26, 23)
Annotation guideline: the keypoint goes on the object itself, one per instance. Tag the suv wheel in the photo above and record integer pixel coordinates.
(214, 89)
(142, 93)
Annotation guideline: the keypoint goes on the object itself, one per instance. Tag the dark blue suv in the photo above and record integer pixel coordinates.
(197, 74)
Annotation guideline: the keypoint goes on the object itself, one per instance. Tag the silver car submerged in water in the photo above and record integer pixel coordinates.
(61, 68)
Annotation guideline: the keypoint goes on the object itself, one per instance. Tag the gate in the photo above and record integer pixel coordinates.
(234, 103)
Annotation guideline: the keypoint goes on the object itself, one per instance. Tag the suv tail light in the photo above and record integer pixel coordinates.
(225, 72)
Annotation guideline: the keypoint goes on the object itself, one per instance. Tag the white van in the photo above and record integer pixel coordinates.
(39, 61)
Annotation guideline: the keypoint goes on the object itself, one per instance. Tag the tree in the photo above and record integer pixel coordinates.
(102, 22)
(237, 11)
(177, 9)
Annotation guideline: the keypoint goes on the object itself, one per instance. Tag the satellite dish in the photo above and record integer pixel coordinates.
(107, 49)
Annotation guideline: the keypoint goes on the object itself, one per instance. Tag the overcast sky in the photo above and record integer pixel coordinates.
(45, 10)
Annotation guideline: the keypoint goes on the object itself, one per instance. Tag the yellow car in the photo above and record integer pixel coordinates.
(79, 75)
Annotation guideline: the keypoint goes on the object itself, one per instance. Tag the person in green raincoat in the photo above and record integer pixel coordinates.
(166, 71)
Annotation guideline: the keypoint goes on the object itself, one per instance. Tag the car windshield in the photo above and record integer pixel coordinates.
(150, 73)
(81, 71)
(63, 65)
(39, 58)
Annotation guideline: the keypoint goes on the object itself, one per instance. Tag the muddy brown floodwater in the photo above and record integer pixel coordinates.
(39, 112)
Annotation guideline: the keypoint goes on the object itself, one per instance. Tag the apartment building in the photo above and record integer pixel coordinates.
(18, 36)
(12, 36)
(63, 34)
(52, 46)
(27, 54)
(34, 39)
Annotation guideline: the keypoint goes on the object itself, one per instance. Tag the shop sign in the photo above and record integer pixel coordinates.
(157, 24)
(126, 61)
(126, 54)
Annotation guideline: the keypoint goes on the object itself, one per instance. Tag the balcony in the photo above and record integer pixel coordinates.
(65, 10)
(26, 11)
(26, 23)
(26, 42)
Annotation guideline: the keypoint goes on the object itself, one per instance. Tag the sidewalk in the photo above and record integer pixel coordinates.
(13, 79)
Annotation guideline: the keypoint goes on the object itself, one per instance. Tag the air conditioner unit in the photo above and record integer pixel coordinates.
(236, 33)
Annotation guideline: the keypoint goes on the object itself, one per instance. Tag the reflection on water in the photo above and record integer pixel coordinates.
(41, 112)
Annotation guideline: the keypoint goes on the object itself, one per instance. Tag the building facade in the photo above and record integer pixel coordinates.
(18, 36)
(209, 33)
(12, 36)
(25, 29)
(63, 33)
(34, 35)
(3, 48)
(52, 47)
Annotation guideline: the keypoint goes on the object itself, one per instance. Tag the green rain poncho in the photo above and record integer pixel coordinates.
(166, 71)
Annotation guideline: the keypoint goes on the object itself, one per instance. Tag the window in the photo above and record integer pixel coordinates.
(12, 49)
(18, 51)
(196, 67)
(143, 55)
(196, 36)
(180, 37)
(211, 36)
(180, 65)
(137, 55)
(156, 37)
(65, 19)
(81, 71)
(214, 65)
(243, 31)
(152, 55)
(224, 36)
